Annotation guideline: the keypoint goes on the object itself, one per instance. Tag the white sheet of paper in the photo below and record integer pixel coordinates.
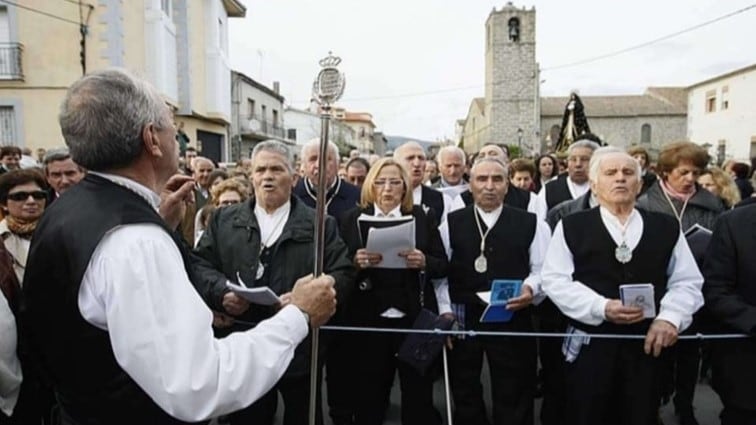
(260, 295)
(484, 296)
(641, 295)
(393, 313)
(389, 242)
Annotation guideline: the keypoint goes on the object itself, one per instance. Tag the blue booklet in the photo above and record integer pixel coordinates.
(501, 291)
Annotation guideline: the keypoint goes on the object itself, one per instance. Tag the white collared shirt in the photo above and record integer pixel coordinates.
(577, 190)
(394, 213)
(271, 225)
(578, 301)
(136, 288)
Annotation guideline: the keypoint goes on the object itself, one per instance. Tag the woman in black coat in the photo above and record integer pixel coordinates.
(391, 298)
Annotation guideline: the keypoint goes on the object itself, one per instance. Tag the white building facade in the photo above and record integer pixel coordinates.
(722, 115)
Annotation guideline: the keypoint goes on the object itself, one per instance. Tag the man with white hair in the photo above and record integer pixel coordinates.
(451, 164)
(618, 380)
(340, 195)
(575, 183)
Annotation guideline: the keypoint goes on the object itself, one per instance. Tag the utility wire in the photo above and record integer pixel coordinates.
(567, 65)
(49, 15)
(648, 43)
(79, 3)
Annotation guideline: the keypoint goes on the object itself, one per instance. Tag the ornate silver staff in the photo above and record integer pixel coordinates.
(327, 88)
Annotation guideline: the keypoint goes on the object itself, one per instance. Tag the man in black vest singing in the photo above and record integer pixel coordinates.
(119, 330)
(574, 184)
(593, 258)
(490, 241)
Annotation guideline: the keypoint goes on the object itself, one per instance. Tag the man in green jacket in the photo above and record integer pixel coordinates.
(269, 241)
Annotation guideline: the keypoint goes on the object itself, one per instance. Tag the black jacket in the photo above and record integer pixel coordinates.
(730, 295)
(566, 208)
(231, 243)
(343, 197)
(399, 288)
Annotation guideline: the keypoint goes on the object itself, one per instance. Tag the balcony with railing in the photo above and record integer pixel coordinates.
(262, 128)
(10, 61)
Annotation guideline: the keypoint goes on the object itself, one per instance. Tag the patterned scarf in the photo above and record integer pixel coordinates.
(24, 229)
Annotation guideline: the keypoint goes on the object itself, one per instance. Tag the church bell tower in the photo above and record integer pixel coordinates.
(512, 79)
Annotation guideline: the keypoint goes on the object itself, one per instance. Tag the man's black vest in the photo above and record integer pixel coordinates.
(557, 191)
(597, 268)
(434, 200)
(76, 356)
(507, 251)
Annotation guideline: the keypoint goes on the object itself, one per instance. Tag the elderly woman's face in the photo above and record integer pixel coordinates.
(26, 202)
(389, 188)
(683, 177)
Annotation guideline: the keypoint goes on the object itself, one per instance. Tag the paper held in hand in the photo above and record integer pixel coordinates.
(388, 237)
(639, 295)
(501, 291)
(260, 295)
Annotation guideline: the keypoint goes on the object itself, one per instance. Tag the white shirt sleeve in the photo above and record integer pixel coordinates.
(10, 368)
(573, 298)
(537, 206)
(537, 253)
(136, 288)
(684, 283)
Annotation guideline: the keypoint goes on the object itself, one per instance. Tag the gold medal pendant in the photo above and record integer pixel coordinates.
(481, 264)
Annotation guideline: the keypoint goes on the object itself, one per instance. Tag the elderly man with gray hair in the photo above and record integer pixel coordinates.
(575, 183)
(268, 241)
(340, 195)
(633, 275)
(452, 164)
(61, 171)
(130, 341)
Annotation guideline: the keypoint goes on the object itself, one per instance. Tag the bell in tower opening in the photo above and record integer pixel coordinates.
(514, 30)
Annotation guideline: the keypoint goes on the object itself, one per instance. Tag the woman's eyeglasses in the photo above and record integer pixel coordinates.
(38, 195)
(383, 183)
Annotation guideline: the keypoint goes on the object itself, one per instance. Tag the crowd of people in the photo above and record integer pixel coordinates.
(117, 306)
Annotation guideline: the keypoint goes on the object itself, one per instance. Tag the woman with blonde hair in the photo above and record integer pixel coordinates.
(391, 298)
(719, 183)
(227, 192)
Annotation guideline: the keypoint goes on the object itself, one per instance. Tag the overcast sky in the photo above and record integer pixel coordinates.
(392, 50)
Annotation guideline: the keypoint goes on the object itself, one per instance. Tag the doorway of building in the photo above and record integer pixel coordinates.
(211, 145)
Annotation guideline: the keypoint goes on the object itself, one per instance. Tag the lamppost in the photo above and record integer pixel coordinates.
(519, 140)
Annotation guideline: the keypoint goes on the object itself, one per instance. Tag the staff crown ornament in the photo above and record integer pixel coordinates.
(329, 84)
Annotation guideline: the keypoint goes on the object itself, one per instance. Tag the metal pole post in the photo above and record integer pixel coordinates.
(327, 88)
